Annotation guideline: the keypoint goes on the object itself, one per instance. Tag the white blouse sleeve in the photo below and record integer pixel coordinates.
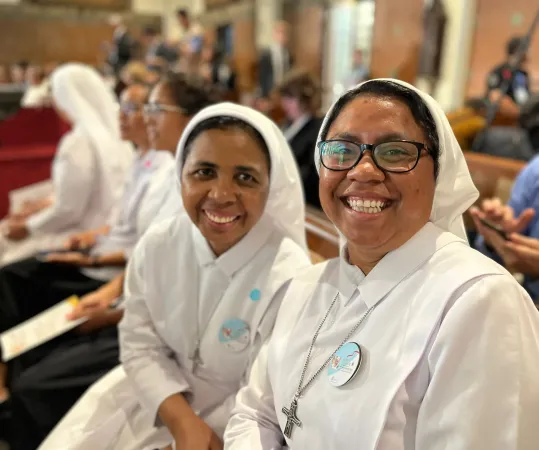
(146, 358)
(484, 365)
(254, 424)
(73, 179)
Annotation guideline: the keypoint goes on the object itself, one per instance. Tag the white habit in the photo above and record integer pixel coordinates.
(450, 350)
(90, 167)
(141, 201)
(177, 293)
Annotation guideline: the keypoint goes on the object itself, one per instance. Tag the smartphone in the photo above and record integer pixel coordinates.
(42, 256)
(494, 227)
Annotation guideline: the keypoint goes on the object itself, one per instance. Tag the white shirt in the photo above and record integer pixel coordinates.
(451, 357)
(296, 126)
(280, 62)
(139, 205)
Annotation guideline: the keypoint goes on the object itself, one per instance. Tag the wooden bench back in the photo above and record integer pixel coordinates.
(322, 237)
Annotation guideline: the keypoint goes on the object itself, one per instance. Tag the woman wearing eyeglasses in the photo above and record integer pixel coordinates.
(410, 340)
(72, 362)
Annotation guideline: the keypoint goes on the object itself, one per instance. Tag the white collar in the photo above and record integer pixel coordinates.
(394, 267)
(238, 256)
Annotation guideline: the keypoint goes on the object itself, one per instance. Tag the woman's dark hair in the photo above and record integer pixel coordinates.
(301, 85)
(415, 103)
(190, 92)
(226, 123)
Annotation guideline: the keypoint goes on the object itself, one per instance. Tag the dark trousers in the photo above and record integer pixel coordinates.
(46, 381)
(46, 391)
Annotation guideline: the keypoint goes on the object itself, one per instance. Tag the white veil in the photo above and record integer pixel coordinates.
(81, 93)
(455, 191)
(285, 205)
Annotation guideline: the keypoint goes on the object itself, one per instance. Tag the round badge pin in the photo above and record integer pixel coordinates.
(234, 334)
(345, 364)
(255, 295)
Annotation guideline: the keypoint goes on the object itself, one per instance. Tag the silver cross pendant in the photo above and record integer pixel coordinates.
(291, 418)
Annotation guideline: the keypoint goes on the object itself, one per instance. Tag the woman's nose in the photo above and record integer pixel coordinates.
(366, 170)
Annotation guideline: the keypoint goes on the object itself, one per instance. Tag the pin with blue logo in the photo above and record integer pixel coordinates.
(345, 364)
(235, 334)
(255, 295)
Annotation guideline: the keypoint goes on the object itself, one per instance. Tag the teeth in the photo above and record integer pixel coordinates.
(367, 206)
(220, 219)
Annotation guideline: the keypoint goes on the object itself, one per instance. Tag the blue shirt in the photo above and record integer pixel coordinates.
(525, 194)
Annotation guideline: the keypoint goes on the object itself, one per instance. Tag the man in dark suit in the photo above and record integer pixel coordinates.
(300, 99)
(122, 45)
(275, 61)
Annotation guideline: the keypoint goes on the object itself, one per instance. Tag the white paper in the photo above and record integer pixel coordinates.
(39, 329)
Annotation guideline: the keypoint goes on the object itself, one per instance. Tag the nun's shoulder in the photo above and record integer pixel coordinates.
(459, 258)
(74, 140)
(169, 232)
(288, 251)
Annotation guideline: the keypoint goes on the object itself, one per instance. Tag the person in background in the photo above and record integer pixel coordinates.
(134, 72)
(519, 90)
(193, 33)
(156, 47)
(216, 68)
(72, 281)
(230, 160)
(519, 215)
(275, 61)
(88, 172)
(120, 50)
(300, 101)
(18, 73)
(73, 358)
(37, 93)
(360, 70)
(4, 76)
(409, 339)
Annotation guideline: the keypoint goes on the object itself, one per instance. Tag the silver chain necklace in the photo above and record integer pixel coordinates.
(291, 413)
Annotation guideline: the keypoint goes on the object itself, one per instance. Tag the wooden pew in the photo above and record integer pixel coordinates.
(322, 237)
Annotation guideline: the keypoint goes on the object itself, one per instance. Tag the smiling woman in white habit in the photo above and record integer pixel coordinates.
(202, 289)
(89, 169)
(410, 340)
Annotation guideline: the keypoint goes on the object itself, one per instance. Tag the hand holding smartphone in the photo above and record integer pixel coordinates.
(498, 229)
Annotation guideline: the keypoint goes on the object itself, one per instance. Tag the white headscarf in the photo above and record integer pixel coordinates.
(81, 93)
(285, 205)
(455, 191)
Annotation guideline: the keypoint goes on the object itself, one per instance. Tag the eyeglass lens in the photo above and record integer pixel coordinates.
(390, 156)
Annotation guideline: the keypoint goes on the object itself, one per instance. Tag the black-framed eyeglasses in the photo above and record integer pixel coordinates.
(393, 156)
(130, 108)
(152, 109)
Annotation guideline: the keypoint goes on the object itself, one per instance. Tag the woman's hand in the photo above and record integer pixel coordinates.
(503, 215)
(195, 434)
(81, 241)
(521, 253)
(16, 230)
(72, 258)
(92, 304)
